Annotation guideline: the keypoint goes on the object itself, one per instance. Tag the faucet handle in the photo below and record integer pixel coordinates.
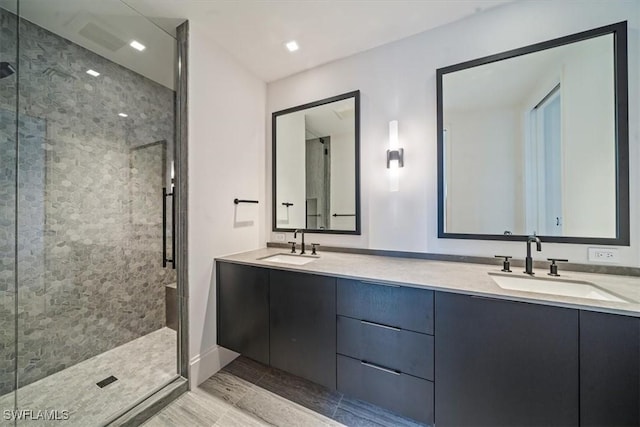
(553, 268)
(293, 247)
(506, 265)
(313, 248)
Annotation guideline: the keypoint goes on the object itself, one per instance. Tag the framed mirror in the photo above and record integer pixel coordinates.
(316, 166)
(535, 140)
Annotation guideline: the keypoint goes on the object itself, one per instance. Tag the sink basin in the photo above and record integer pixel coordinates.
(289, 259)
(567, 288)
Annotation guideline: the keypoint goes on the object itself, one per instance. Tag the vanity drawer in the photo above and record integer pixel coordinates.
(406, 395)
(405, 351)
(398, 306)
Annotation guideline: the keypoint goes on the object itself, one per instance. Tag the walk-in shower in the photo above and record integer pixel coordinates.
(87, 137)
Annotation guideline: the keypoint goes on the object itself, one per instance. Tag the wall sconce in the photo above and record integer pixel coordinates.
(395, 157)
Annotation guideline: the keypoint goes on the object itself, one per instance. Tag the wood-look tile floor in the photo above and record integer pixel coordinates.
(247, 393)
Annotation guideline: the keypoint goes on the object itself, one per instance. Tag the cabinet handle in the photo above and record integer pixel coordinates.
(379, 368)
(389, 285)
(496, 299)
(380, 326)
(481, 297)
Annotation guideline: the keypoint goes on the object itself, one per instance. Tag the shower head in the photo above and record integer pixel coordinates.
(6, 69)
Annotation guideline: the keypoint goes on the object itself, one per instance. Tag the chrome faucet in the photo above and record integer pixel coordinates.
(528, 261)
(295, 236)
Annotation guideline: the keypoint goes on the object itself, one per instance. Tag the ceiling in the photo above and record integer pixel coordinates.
(254, 31)
(106, 27)
(513, 82)
(330, 119)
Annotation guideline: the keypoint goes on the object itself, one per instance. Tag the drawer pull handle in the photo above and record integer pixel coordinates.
(494, 299)
(364, 322)
(379, 368)
(389, 285)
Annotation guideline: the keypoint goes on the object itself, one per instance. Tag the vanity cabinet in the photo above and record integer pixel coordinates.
(458, 359)
(505, 363)
(303, 325)
(386, 346)
(609, 370)
(242, 300)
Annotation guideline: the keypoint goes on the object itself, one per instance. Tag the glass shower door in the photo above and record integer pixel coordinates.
(8, 201)
(96, 131)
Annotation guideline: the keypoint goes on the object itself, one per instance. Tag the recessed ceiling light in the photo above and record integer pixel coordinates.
(292, 46)
(123, 115)
(93, 73)
(137, 45)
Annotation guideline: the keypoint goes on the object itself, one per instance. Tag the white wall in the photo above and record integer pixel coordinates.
(291, 175)
(585, 146)
(343, 181)
(482, 197)
(397, 81)
(226, 160)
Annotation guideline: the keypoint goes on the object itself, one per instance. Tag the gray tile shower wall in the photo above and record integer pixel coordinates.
(90, 275)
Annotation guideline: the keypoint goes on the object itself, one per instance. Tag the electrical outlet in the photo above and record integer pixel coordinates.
(609, 255)
(279, 237)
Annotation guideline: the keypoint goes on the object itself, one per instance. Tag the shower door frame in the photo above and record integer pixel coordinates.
(181, 198)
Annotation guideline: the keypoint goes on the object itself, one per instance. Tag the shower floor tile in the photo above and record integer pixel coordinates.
(141, 366)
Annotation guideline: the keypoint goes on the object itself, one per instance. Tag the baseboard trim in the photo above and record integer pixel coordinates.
(207, 363)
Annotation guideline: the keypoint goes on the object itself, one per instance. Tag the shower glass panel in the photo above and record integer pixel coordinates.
(95, 142)
(8, 171)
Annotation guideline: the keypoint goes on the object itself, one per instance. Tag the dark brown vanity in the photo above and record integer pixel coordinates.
(435, 356)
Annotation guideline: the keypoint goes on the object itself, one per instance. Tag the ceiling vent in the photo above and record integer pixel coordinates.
(101, 37)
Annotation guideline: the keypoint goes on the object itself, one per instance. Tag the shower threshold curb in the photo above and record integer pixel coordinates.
(149, 405)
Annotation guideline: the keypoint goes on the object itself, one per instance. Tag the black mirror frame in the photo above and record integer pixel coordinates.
(619, 31)
(356, 96)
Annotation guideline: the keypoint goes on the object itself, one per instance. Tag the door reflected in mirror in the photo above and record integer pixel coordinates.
(316, 162)
(536, 141)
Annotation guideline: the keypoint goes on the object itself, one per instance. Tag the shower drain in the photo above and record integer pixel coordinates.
(105, 382)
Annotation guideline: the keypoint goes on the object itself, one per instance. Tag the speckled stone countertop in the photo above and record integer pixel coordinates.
(465, 278)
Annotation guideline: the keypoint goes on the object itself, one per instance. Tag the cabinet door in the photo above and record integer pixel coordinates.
(243, 309)
(503, 363)
(303, 325)
(609, 370)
